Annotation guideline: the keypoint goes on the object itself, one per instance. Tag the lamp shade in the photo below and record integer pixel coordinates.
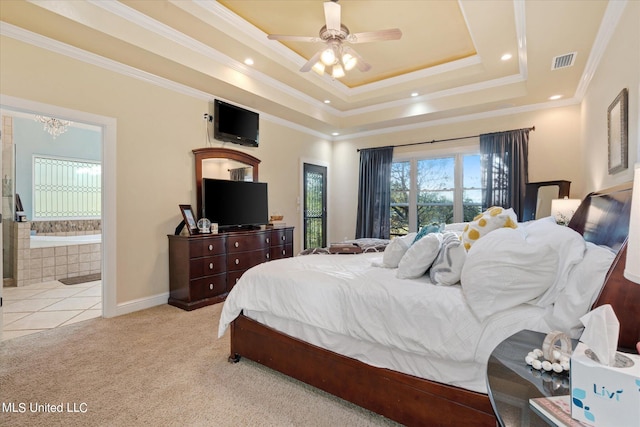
(563, 209)
(632, 268)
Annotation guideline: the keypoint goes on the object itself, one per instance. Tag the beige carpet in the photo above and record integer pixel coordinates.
(162, 366)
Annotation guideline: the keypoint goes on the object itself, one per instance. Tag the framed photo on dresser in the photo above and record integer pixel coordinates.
(189, 219)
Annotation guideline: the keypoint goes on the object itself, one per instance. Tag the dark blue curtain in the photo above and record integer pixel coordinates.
(374, 193)
(505, 166)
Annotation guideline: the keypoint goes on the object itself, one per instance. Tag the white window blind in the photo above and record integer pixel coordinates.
(64, 188)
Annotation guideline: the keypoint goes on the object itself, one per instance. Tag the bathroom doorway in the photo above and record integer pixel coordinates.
(56, 257)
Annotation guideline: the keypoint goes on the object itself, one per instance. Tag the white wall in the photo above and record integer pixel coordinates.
(156, 130)
(553, 148)
(619, 68)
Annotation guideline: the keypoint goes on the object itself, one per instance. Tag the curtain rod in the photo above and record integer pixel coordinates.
(533, 128)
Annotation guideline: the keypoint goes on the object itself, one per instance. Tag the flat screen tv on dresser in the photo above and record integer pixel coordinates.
(235, 204)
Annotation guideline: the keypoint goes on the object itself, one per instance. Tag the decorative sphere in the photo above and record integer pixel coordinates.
(204, 225)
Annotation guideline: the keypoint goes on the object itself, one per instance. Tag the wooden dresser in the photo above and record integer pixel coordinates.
(204, 268)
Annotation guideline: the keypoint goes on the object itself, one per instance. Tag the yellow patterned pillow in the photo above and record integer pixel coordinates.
(493, 218)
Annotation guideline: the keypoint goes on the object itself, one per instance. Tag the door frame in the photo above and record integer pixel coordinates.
(300, 201)
(109, 132)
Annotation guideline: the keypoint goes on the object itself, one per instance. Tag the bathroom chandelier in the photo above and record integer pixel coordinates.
(55, 127)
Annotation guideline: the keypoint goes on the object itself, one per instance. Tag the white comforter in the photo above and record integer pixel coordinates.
(345, 295)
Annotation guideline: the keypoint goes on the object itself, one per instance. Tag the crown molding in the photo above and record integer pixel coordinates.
(460, 119)
(20, 34)
(460, 90)
(171, 34)
(609, 23)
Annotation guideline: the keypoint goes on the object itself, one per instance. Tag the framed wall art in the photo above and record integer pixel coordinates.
(618, 128)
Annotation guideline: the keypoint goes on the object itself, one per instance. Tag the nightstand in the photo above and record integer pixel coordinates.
(511, 382)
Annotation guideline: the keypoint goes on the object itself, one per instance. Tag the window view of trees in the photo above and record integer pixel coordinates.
(440, 196)
(400, 187)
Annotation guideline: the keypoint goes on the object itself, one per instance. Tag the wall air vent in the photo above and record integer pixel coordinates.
(563, 61)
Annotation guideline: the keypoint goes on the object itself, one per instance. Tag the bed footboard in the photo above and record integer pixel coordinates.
(400, 397)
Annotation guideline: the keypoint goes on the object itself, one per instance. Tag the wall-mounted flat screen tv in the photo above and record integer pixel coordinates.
(235, 124)
(235, 204)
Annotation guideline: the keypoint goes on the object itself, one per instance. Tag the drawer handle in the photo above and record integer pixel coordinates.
(267, 256)
(237, 261)
(210, 247)
(284, 252)
(268, 240)
(210, 266)
(236, 244)
(211, 286)
(237, 278)
(284, 238)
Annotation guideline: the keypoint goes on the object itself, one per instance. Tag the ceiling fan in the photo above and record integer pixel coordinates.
(336, 56)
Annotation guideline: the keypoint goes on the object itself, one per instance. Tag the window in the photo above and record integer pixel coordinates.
(439, 190)
(65, 188)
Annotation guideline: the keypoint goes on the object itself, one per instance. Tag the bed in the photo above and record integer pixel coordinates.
(340, 347)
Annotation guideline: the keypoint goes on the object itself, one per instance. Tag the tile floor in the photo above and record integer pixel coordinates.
(41, 306)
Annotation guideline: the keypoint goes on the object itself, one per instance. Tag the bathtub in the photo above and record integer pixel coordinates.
(52, 241)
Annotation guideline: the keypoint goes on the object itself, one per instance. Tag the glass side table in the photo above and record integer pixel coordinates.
(511, 382)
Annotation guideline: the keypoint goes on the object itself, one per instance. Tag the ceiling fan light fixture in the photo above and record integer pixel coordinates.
(336, 58)
(337, 72)
(318, 67)
(328, 56)
(349, 61)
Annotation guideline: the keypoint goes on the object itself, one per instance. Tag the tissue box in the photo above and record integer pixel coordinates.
(604, 395)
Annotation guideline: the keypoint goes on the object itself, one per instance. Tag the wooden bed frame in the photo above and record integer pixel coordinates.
(602, 218)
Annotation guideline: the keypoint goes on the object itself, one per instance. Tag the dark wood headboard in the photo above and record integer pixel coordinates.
(603, 219)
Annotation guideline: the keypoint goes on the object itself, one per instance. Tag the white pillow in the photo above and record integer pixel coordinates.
(447, 267)
(569, 245)
(456, 226)
(419, 257)
(584, 282)
(503, 270)
(493, 218)
(395, 250)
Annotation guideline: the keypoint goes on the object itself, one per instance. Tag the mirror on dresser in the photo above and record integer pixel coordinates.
(223, 163)
(538, 197)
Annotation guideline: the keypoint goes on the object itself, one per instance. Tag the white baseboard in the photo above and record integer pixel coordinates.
(140, 304)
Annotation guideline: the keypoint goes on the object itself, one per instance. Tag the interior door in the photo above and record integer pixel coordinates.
(315, 206)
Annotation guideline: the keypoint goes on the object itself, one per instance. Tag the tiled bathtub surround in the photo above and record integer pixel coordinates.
(35, 265)
(67, 228)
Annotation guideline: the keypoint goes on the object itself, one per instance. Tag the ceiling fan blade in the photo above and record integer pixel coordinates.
(332, 15)
(375, 36)
(283, 37)
(311, 62)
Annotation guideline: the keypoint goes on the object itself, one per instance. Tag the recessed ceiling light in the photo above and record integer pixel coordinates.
(327, 101)
(506, 57)
(414, 94)
(554, 97)
(248, 61)
(335, 134)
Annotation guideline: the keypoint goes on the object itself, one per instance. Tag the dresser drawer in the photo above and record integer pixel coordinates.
(207, 266)
(282, 251)
(206, 246)
(248, 242)
(245, 260)
(233, 277)
(281, 236)
(207, 287)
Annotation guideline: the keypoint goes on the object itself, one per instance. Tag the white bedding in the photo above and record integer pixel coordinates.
(367, 313)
